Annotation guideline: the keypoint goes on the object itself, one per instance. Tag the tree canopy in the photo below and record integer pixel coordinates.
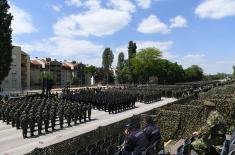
(194, 73)
(5, 39)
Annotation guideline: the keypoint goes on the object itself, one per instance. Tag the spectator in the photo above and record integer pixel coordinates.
(135, 141)
(151, 130)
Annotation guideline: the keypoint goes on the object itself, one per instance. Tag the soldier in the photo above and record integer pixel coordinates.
(24, 123)
(46, 119)
(89, 111)
(213, 134)
(17, 118)
(39, 122)
(11, 115)
(61, 116)
(6, 112)
(75, 113)
(52, 118)
(84, 109)
(68, 114)
(80, 113)
(31, 123)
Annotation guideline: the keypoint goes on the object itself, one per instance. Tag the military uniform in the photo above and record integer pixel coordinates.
(213, 134)
(17, 119)
(46, 120)
(39, 123)
(89, 108)
(61, 117)
(24, 124)
(31, 123)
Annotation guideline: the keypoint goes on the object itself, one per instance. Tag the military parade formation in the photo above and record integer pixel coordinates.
(36, 113)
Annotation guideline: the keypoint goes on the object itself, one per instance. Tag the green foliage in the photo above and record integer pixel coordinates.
(5, 39)
(90, 70)
(107, 61)
(217, 76)
(234, 70)
(123, 75)
(194, 73)
(107, 58)
(131, 50)
(121, 61)
(75, 81)
(144, 62)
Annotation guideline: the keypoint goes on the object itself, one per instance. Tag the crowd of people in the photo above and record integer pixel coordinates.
(113, 102)
(26, 112)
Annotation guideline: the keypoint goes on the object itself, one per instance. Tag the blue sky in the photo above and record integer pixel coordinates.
(188, 31)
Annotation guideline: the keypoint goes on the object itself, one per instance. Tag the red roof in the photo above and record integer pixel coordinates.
(35, 62)
(66, 66)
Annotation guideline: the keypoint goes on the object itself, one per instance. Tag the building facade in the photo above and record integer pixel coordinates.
(19, 75)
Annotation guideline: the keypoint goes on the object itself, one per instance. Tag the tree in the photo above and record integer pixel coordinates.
(121, 60)
(144, 63)
(107, 61)
(131, 50)
(90, 70)
(194, 73)
(5, 39)
(234, 70)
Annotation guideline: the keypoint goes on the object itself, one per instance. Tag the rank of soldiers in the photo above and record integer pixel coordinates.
(110, 101)
(38, 114)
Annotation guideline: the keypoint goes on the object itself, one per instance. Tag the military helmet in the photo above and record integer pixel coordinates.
(208, 103)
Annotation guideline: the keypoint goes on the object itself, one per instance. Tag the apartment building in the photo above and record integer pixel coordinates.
(19, 75)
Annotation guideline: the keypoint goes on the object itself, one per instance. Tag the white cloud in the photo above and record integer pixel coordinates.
(192, 59)
(22, 21)
(56, 8)
(65, 48)
(123, 5)
(76, 3)
(153, 25)
(144, 4)
(104, 22)
(93, 5)
(216, 9)
(178, 21)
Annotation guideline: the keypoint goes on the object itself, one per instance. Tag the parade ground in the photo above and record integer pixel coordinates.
(12, 142)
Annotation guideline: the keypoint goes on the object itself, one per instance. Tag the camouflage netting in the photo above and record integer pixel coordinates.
(169, 122)
(224, 98)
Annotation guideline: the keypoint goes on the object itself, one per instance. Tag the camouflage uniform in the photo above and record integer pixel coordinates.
(213, 134)
(24, 124)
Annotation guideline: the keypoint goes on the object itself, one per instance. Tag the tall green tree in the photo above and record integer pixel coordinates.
(131, 50)
(234, 70)
(121, 61)
(107, 61)
(5, 39)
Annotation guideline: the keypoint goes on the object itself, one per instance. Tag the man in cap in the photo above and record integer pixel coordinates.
(135, 140)
(213, 133)
(151, 130)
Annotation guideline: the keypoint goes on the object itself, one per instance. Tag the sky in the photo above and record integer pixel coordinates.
(188, 32)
